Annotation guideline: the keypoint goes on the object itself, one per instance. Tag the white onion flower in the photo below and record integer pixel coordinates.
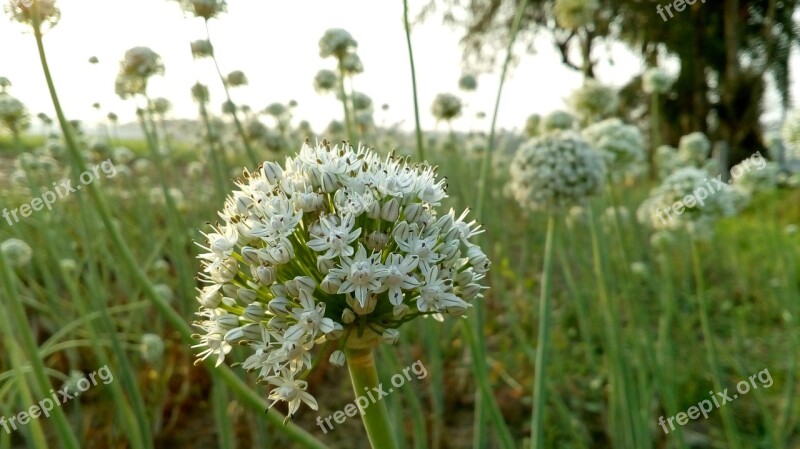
(338, 244)
(557, 121)
(657, 80)
(556, 171)
(16, 252)
(694, 149)
(336, 42)
(621, 145)
(689, 199)
(594, 101)
(14, 115)
(446, 107)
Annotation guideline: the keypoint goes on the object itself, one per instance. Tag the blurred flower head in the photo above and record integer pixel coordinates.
(594, 101)
(135, 69)
(468, 83)
(202, 49)
(621, 145)
(557, 121)
(29, 12)
(446, 107)
(791, 134)
(657, 80)
(206, 9)
(336, 42)
(351, 64)
(14, 116)
(236, 78)
(555, 172)
(688, 200)
(532, 125)
(16, 252)
(325, 80)
(694, 149)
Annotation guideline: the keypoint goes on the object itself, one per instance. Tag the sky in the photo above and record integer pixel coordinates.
(275, 43)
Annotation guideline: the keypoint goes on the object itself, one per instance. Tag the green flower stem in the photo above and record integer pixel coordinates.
(15, 313)
(245, 394)
(364, 375)
(239, 128)
(655, 133)
(545, 309)
(713, 359)
(343, 93)
(486, 163)
(418, 128)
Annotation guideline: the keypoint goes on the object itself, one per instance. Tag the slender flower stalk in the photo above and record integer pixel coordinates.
(239, 128)
(418, 127)
(543, 340)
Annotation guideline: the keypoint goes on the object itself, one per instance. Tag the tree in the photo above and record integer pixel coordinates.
(727, 51)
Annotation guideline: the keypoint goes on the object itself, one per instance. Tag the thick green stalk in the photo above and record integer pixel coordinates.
(364, 375)
(132, 267)
(418, 128)
(545, 309)
(486, 163)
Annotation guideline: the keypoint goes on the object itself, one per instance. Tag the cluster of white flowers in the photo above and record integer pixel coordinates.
(16, 252)
(22, 12)
(532, 125)
(339, 244)
(336, 42)
(694, 149)
(696, 215)
(574, 14)
(13, 114)
(791, 134)
(325, 80)
(751, 181)
(136, 67)
(236, 78)
(202, 49)
(556, 171)
(557, 121)
(594, 101)
(657, 80)
(205, 9)
(467, 83)
(446, 107)
(621, 145)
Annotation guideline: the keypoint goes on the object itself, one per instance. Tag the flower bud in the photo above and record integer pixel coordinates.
(391, 336)
(400, 311)
(374, 210)
(226, 271)
(324, 265)
(412, 212)
(279, 290)
(266, 275)
(252, 331)
(230, 290)
(390, 210)
(228, 321)
(330, 284)
(401, 230)
(291, 287)
(278, 323)
(337, 358)
(254, 312)
(247, 296)
(469, 292)
(279, 306)
(465, 277)
(306, 284)
(152, 348)
(234, 335)
(272, 172)
(210, 296)
(250, 255)
(348, 316)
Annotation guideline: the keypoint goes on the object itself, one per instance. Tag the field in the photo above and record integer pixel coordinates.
(236, 280)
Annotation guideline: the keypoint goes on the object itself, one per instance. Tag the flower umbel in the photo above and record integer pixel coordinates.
(337, 246)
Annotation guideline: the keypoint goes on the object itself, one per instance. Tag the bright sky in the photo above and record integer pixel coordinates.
(276, 44)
